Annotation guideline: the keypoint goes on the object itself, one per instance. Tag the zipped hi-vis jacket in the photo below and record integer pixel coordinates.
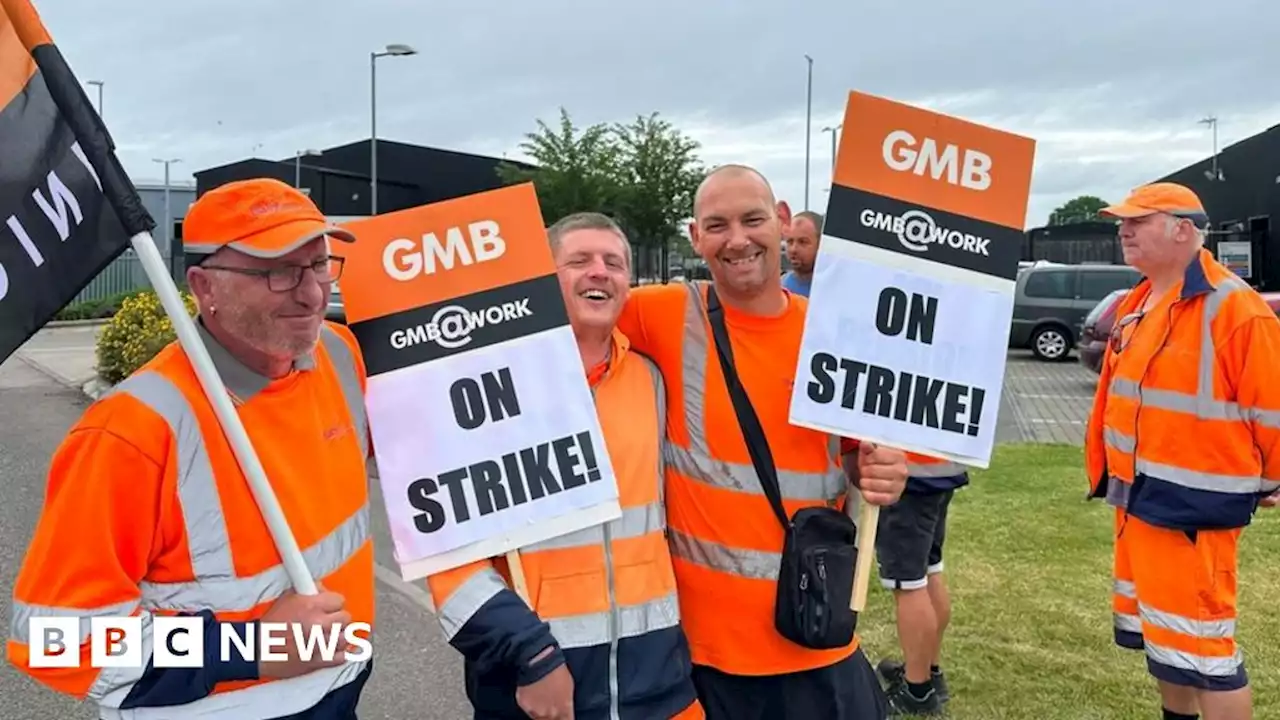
(148, 514)
(603, 597)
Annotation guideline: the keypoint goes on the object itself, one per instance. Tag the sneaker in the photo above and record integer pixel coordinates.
(903, 703)
(894, 672)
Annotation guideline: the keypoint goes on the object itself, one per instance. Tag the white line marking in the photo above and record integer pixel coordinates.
(392, 579)
(1047, 421)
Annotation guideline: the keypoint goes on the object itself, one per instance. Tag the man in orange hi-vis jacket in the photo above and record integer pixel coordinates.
(1184, 441)
(147, 511)
(600, 637)
(726, 542)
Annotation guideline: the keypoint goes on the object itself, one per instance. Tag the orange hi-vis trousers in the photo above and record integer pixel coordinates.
(1175, 598)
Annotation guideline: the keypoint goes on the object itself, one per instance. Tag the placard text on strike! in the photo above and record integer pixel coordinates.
(178, 642)
(902, 154)
(403, 259)
(497, 483)
(916, 399)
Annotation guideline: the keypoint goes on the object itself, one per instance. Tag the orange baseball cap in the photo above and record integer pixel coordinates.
(262, 217)
(1162, 197)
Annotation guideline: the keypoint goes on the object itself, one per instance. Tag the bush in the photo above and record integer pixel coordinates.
(134, 335)
(95, 309)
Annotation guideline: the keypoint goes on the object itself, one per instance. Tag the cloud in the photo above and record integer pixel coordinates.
(1112, 93)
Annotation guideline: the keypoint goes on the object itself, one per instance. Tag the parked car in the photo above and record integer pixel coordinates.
(1097, 327)
(1051, 303)
(1096, 332)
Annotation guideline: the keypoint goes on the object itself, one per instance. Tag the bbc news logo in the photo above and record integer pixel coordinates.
(178, 642)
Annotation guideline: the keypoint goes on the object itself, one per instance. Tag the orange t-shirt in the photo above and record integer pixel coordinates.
(729, 620)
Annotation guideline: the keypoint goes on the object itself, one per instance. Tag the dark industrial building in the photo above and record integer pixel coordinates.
(338, 178)
(1240, 188)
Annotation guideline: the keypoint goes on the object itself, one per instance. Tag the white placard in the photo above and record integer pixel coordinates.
(903, 353)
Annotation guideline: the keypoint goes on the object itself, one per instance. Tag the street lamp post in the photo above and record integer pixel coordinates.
(394, 49)
(168, 213)
(833, 131)
(808, 127)
(99, 83)
(297, 165)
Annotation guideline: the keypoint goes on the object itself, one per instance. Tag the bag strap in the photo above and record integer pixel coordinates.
(748, 422)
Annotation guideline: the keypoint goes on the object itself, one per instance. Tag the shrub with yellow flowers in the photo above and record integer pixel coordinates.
(134, 335)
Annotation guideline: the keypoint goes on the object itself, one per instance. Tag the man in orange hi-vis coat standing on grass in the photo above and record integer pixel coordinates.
(1184, 441)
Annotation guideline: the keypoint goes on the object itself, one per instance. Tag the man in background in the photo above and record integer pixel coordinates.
(802, 251)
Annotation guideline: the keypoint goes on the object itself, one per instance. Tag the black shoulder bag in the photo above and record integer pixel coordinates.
(819, 554)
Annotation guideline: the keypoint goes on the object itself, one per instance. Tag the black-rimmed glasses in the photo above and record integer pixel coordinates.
(287, 277)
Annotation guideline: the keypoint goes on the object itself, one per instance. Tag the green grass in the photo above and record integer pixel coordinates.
(1029, 567)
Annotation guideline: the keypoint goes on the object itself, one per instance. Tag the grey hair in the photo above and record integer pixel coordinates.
(1171, 226)
(813, 217)
(585, 221)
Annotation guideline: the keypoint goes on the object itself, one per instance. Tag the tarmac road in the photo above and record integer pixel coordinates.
(417, 676)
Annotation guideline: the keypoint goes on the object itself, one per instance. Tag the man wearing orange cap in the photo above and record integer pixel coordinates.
(148, 514)
(1184, 441)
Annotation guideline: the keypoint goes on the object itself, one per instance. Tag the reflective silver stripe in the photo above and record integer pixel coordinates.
(202, 515)
(1118, 440)
(1212, 666)
(240, 594)
(113, 684)
(1200, 480)
(697, 462)
(753, 564)
(1210, 629)
(634, 522)
(743, 478)
(349, 379)
(277, 698)
(935, 470)
(1200, 407)
(1127, 623)
(470, 596)
(591, 629)
(21, 614)
(1125, 588)
(660, 399)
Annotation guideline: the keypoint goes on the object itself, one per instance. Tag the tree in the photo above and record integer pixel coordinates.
(1081, 209)
(643, 174)
(659, 174)
(575, 170)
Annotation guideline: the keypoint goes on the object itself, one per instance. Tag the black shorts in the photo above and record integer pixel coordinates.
(847, 690)
(910, 538)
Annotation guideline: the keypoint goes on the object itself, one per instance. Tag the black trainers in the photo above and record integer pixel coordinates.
(894, 672)
(903, 704)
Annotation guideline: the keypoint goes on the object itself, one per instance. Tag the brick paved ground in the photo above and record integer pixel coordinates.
(1045, 402)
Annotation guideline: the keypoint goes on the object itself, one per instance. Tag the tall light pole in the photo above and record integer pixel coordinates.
(808, 127)
(833, 131)
(99, 83)
(297, 165)
(395, 49)
(168, 213)
(1215, 173)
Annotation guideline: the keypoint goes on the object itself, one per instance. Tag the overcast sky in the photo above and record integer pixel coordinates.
(1112, 91)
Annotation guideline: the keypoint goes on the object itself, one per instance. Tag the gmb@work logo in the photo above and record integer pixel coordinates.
(451, 326)
(917, 230)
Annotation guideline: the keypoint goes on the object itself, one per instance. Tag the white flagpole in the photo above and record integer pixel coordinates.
(188, 336)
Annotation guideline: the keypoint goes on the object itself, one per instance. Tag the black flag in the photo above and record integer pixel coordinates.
(67, 208)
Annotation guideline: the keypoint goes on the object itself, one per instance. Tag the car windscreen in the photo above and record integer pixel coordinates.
(1102, 306)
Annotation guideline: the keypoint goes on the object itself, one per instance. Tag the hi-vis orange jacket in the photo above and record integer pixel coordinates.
(1185, 432)
(726, 542)
(927, 474)
(604, 597)
(147, 513)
